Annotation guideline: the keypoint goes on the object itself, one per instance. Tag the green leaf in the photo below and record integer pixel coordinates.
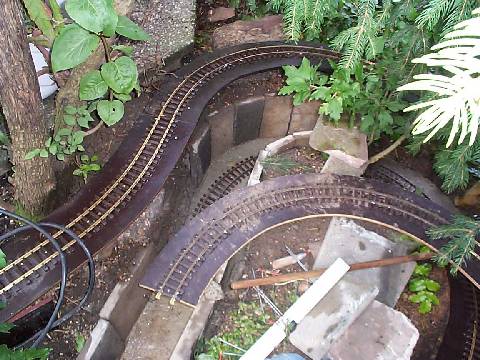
(93, 15)
(62, 132)
(129, 29)
(121, 74)
(77, 138)
(84, 121)
(78, 172)
(84, 158)
(43, 153)
(80, 148)
(92, 86)
(418, 298)
(5, 328)
(432, 298)
(94, 167)
(122, 97)
(79, 342)
(70, 110)
(72, 47)
(53, 149)
(40, 15)
(4, 138)
(110, 112)
(321, 93)
(127, 50)
(32, 153)
(3, 263)
(48, 142)
(333, 108)
(416, 285)
(425, 307)
(422, 270)
(385, 119)
(69, 120)
(432, 285)
(60, 156)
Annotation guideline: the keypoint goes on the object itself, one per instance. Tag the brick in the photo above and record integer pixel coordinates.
(248, 117)
(276, 116)
(304, 117)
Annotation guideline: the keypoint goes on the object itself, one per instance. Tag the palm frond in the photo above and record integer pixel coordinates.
(457, 97)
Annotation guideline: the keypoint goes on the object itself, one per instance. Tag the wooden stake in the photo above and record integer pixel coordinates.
(271, 280)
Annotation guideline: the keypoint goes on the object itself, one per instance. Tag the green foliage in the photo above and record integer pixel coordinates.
(423, 288)
(92, 86)
(40, 15)
(110, 112)
(452, 165)
(87, 166)
(3, 261)
(445, 13)
(355, 95)
(462, 233)
(72, 47)
(246, 324)
(97, 16)
(130, 30)
(23, 354)
(79, 342)
(283, 164)
(120, 75)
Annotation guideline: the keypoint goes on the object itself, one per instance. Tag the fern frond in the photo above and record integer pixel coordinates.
(462, 233)
(358, 36)
(434, 11)
(457, 96)
(293, 19)
(252, 5)
(462, 10)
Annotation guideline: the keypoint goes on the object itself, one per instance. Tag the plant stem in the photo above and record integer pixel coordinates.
(95, 129)
(388, 150)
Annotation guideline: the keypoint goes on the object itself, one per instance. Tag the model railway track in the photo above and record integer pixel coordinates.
(225, 183)
(138, 170)
(192, 257)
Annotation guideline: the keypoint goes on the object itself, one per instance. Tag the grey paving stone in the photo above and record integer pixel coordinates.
(331, 317)
(157, 331)
(221, 125)
(104, 343)
(248, 117)
(380, 333)
(200, 152)
(304, 116)
(353, 243)
(276, 116)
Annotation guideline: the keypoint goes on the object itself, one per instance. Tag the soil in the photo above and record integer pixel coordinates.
(305, 236)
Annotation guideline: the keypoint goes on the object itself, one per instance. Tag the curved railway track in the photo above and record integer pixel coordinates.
(138, 170)
(192, 257)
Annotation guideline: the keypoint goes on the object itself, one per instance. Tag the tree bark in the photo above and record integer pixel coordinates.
(22, 106)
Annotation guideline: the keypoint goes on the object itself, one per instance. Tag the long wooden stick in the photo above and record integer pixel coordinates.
(271, 280)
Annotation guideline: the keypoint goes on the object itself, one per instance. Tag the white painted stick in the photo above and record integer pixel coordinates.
(305, 303)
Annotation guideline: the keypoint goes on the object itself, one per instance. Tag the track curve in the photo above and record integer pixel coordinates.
(192, 257)
(138, 170)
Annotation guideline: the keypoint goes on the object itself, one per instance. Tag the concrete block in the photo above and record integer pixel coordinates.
(157, 331)
(221, 130)
(276, 116)
(380, 333)
(248, 118)
(304, 116)
(128, 295)
(331, 317)
(104, 343)
(200, 154)
(354, 244)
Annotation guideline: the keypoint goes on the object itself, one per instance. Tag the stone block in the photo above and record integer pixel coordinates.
(248, 118)
(304, 116)
(157, 331)
(276, 116)
(380, 333)
(334, 165)
(221, 130)
(128, 295)
(104, 343)
(268, 28)
(331, 317)
(354, 244)
(200, 152)
(220, 14)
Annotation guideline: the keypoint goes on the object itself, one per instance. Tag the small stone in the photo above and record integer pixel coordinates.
(221, 14)
(331, 317)
(269, 28)
(379, 333)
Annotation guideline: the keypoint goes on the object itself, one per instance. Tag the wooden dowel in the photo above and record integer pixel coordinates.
(271, 280)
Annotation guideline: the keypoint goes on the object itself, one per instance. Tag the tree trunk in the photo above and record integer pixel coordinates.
(22, 106)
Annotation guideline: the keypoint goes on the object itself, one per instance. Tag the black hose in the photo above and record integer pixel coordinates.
(53, 322)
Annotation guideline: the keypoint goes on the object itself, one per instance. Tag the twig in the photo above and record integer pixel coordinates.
(271, 280)
(44, 70)
(95, 129)
(388, 150)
